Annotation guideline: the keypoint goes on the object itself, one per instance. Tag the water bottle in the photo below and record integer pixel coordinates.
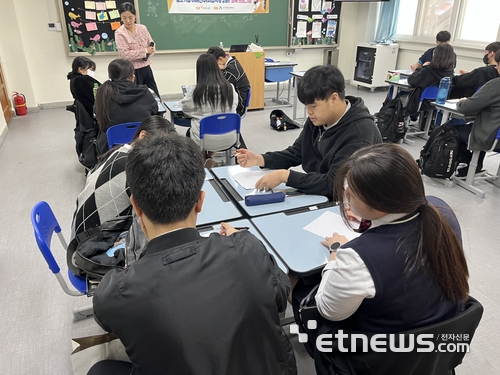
(444, 87)
(94, 89)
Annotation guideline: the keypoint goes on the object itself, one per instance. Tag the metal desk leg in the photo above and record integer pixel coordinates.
(294, 116)
(469, 180)
(289, 87)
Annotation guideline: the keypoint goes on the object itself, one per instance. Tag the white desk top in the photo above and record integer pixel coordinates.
(298, 74)
(279, 64)
(217, 206)
(225, 176)
(300, 250)
(401, 83)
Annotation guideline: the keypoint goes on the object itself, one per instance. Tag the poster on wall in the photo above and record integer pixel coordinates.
(218, 6)
(91, 25)
(315, 23)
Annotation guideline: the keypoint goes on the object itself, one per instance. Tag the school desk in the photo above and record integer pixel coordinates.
(217, 206)
(177, 117)
(279, 71)
(297, 77)
(243, 223)
(224, 175)
(300, 250)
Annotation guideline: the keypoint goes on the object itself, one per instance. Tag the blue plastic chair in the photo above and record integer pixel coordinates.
(121, 133)
(247, 102)
(215, 126)
(45, 225)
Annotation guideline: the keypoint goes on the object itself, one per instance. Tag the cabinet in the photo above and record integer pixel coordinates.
(372, 63)
(253, 64)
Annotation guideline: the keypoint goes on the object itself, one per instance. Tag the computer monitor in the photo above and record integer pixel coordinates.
(238, 48)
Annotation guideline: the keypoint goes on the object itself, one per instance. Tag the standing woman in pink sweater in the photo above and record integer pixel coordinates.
(136, 45)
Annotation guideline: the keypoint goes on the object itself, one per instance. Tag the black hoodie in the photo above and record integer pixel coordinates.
(130, 103)
(321, 152)
(466, 84)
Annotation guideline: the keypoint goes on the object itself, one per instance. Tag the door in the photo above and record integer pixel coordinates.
(5, 98)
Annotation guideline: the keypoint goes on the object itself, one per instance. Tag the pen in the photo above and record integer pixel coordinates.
(241, 228)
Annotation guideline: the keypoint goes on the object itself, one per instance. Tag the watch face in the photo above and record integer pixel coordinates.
(334, 246)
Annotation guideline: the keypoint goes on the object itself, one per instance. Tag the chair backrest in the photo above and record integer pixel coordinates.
(430, 92)
(121, 133)
(438, 358)
(45, 225)
(220, 131)
(247, 102)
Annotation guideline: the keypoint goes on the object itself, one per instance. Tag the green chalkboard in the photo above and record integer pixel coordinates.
(200, 31)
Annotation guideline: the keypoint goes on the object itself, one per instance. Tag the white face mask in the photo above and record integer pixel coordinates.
(91, 73)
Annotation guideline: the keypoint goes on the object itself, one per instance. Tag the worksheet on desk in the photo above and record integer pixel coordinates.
(247, 179)
(330, 222)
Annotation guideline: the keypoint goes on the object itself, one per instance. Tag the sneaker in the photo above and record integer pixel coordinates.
(210, 163)
(462, 172)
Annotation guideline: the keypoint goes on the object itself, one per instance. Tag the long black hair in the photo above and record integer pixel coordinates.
(443, 57)
(211, 86)
(386, 178)
(80, 62)
(118, 70)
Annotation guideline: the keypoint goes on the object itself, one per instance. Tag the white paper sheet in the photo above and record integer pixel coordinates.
(301, 29)
(316, 30)
(304, 6)
(248, 179)
(330, 222)
(316, 6)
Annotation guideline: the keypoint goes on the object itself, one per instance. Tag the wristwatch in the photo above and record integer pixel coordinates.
(334, 246)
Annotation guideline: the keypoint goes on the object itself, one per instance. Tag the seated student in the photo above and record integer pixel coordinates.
(441, 65)
(82, 82)
(212, 94)
(467, 83)
(485, 105)
(120, 100)
(106, 194)
(407, 269)
(234, 73)
(442, 37)
(337, 126)
(191, 304)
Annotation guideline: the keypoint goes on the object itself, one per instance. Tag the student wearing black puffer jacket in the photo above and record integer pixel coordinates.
(337, 127)
(442, 65)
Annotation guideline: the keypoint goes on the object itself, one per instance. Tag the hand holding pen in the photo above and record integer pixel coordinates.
(227, 229)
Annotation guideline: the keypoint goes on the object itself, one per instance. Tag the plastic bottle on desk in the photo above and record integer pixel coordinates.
(94, 89)
(444, 87)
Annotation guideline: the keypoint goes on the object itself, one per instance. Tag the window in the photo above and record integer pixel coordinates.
(480, 20)
(472, 23)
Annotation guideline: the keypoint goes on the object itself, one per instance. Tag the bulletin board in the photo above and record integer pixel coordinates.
(315, 23)
(90, 25)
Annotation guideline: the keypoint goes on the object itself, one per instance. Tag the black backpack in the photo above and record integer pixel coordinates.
(280, 121)
(390, 121)
(439, 156)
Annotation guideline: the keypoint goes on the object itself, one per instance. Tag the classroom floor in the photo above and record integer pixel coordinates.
(38, 162)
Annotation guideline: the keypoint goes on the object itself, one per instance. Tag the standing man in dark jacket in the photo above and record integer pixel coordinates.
(191, 304)
(467, 83)
(337, 127)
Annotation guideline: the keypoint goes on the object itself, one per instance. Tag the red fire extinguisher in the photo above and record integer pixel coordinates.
(19, 103)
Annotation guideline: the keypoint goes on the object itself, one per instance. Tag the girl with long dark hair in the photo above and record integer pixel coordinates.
(408, 268)
(212, 94)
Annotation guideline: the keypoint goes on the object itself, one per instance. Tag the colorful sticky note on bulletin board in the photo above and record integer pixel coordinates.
(114, 14)
(91, 26)
(102, 16)
(90, 5)
(100, 6)
(115, 25)
(111, 4)
(90, 15)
